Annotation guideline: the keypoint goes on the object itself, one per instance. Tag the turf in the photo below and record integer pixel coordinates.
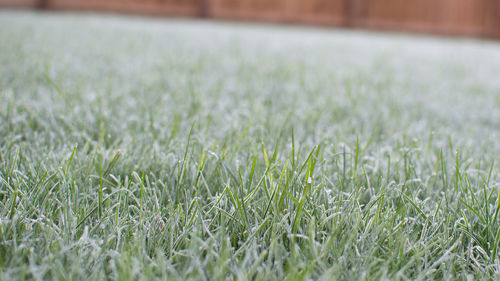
(146, 149)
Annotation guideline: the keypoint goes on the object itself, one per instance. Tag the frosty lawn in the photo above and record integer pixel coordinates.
(145, 149)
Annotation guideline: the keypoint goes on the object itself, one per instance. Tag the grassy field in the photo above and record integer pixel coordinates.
(145, 149)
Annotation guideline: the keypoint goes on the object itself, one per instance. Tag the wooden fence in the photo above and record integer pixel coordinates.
(479, 18)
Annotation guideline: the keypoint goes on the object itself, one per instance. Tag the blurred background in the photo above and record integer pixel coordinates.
(477, 18)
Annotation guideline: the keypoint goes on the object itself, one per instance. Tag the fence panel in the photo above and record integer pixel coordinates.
(462, 16)
(328, 12)
(276, 10)
(399, 14)
(154, 7)
(466, 17)
(458, 17)
(19, 3)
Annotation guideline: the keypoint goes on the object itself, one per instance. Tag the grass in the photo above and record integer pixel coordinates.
(145, 149)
